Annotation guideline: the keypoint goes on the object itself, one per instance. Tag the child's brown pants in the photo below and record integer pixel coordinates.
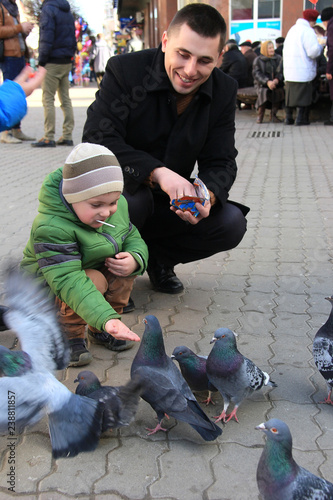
(116, 291)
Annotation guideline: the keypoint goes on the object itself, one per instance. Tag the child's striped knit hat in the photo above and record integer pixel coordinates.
(90, 170)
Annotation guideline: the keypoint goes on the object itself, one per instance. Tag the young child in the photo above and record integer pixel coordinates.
(84, 247)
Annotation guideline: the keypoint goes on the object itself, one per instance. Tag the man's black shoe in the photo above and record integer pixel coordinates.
(105, 339)
(3, 325)
(43, 143)
(164, 279)
(129, 307)
(64, 142)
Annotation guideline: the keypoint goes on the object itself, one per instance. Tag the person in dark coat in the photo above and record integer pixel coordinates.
(268, 80)
(250, 55)
(234, 63)
(256, 47)
(327, 20)
(57, 45)
(279, 41)
(160, 111)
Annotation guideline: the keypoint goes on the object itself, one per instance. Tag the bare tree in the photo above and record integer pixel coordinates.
(33, 8)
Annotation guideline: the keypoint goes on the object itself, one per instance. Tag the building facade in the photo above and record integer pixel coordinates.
(246, 19)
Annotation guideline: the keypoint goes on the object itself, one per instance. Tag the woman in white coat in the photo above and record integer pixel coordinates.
(300, 50)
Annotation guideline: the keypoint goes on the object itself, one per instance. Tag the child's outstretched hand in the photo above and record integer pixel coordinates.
(120, 331)
(122, 264)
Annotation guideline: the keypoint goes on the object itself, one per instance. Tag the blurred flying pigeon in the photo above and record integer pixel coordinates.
(26, 381)
(279, 477)
(120, 403)
(234, 375)
(323, 352)
(193, 368)
(165, 389)
(3, 326)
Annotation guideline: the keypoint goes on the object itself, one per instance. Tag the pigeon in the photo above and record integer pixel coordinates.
(279, 476)
(120, 403)
(3, 326)
(234, 375)
(27, 383)
(323, 352)
(164, 387)
(193, 368)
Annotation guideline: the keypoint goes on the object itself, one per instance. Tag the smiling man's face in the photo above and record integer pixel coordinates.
(189, 58)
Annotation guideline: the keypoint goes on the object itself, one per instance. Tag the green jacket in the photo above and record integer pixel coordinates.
(61, 247)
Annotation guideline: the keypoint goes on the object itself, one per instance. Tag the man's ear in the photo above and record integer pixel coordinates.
(164, 40)
(219, 60)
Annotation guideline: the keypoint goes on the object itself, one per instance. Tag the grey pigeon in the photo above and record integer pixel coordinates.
(26, 379)
(164, 387)
(193, 368)
(323, 352)
(120, 403)
(279, 477)
(234, 375)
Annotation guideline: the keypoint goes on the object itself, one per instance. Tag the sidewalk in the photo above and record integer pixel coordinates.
(270, 290)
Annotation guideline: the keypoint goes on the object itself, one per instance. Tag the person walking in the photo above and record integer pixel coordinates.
(16, 53)
(300, 51)
(101, 53)
(268, 80)
(57, 45)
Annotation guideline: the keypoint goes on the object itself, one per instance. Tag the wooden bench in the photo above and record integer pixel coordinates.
(246, 95)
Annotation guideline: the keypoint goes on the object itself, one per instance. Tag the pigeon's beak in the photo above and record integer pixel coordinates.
(76, 380)
(260, 427)
(172, 356)
(214, 339)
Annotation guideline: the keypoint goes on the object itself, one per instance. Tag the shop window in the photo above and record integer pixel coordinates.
(268, 9)
(241, 9)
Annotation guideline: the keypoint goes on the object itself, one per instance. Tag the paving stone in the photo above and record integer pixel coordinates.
(87, 471)
(270, 290)
(185, 471)
(138, 466)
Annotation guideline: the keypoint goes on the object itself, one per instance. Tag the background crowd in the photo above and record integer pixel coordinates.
(290, 74)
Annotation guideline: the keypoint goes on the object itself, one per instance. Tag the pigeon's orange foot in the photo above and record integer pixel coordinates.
(157, 428)
(328, 400)
(233, 415)
(208, 401)
(220, 417)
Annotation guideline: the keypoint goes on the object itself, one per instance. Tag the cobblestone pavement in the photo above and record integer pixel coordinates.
(270, 290)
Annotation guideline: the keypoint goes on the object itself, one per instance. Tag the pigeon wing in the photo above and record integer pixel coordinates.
(255, 377)
(323, 357)
(164, 397)
(32, 316)
(23, 399)
(307, 485)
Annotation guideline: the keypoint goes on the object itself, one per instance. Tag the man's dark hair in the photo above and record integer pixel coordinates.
(203, 19)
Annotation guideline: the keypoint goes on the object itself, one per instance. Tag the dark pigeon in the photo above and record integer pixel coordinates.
(193, 368)
(279, 477)
(27, 379)
(3, 326)
(234, 375)
(323, 352)
(120, 403)
(165, 389)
